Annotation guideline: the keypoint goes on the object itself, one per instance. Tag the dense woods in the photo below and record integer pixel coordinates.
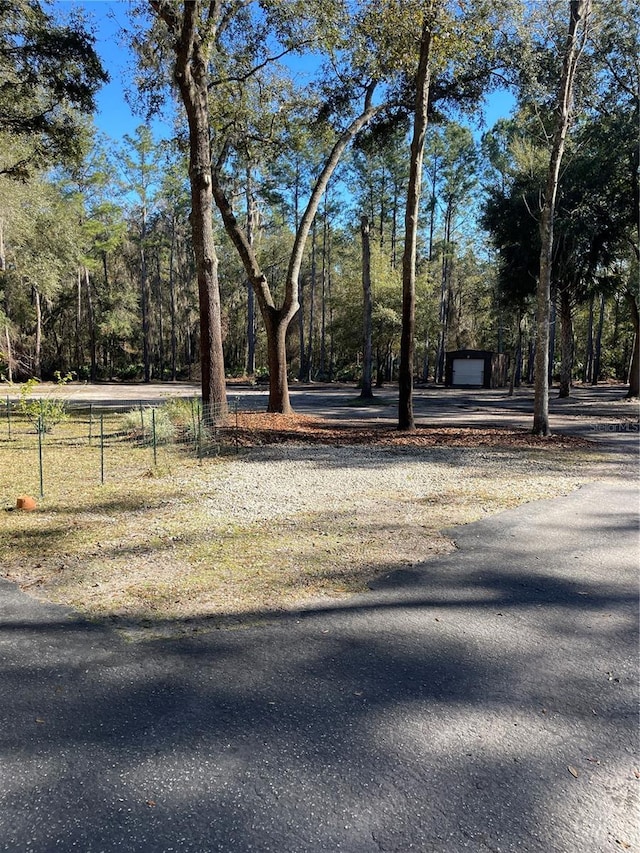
(306, 187)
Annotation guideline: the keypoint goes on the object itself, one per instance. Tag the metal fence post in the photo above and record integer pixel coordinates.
(193, 421)
(237, 443)
(155, 443)
(102, 449)
(40, 461)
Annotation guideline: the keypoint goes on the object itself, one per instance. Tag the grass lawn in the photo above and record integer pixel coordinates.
(161, 547)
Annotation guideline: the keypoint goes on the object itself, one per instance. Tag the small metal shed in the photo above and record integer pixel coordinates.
(472, 368)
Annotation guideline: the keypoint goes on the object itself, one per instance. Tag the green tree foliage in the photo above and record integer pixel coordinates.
(74, 243)
(49, 75)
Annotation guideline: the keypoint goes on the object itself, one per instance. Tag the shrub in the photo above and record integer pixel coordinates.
(139, 424)
(45, 412)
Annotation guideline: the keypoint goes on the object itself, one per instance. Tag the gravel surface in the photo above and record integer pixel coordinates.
(282, 481)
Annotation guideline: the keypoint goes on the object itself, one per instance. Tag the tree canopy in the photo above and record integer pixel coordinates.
(49, 75)
(150, 259)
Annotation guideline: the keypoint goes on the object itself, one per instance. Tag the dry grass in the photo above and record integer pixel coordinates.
(144, 550)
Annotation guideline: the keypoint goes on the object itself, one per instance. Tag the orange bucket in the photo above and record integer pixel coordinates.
(26, 502)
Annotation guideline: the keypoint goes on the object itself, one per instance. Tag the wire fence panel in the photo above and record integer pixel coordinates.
(43, 441)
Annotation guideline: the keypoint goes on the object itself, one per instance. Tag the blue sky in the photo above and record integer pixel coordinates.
(115, 117)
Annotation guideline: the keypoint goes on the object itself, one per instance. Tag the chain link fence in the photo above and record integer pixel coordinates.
(45, 439)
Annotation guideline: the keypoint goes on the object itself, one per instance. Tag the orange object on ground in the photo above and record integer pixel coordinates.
(26, 502)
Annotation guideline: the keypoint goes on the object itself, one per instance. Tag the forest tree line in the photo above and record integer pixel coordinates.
(98, 273)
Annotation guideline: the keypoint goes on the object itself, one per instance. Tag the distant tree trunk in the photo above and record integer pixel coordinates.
(394, 226)
(37, 368)
(383, 210)
(517, 361)
(323, 300)
(366, 392)
(566, 343)
(312, 301)
(302, 368)
(578, 12)
(445, 280)
(587, 369)
(406, 419)
(531, 358)
(552, 340)
(144, 301)
(78, 325)
(379, 367)
(598, 344)
(7, 338)
(93, 355)
(634, 369)
(172, 303)
(432, 205)
(331, 341)
(3, 267)
(160, 316)
(425, 360)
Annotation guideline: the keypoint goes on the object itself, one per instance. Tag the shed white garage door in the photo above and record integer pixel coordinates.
(468, 371)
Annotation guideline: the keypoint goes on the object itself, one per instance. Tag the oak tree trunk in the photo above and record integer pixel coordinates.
(277, 320)
(578, 13)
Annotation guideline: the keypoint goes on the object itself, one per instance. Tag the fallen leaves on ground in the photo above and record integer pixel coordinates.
(251, 429)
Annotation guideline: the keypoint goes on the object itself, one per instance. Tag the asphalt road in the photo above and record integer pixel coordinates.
(484, 701)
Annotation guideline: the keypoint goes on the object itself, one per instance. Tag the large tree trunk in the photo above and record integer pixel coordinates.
(407, 342)
(566, 344)
(276, 327)
(578, 13)
(192, 51)
(250, 366)
(366, 391)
